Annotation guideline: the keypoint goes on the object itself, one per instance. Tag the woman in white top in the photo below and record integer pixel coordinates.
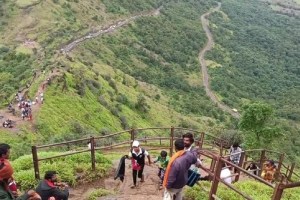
(226, 174)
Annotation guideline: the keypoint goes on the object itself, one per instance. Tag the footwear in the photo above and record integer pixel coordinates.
(133, 186)
(160, 187)
(142, 179)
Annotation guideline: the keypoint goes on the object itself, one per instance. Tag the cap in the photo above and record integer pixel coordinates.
(135, 143)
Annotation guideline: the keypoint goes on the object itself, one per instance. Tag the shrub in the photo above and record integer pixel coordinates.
(124, 122)
(98, 193)
(68, 168)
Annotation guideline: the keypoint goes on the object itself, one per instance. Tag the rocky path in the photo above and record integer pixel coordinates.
(209, 45)
(148, 190)
(17, 119)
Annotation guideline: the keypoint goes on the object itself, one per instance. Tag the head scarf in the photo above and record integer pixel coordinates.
(6, 170)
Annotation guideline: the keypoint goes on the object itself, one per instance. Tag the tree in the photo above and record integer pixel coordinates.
(258, 119)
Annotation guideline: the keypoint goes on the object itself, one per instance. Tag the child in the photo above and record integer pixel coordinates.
(163, 159)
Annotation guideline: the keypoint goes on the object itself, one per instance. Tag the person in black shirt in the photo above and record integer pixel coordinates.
(137, 156)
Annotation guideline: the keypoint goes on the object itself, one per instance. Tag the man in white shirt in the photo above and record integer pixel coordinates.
(188, 139)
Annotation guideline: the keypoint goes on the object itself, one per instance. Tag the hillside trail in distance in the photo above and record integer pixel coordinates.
(209, 45)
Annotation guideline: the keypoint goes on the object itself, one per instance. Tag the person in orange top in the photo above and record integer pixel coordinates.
(269, 170)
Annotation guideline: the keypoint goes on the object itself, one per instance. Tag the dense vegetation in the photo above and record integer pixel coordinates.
(259, 48)
(75, 166)
(163, 51)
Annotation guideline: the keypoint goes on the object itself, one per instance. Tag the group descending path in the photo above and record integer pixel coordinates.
(17, 119)
(209, 45)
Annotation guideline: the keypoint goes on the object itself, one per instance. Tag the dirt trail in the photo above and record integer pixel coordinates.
(17, 119)
(148, 190)
(209, 45)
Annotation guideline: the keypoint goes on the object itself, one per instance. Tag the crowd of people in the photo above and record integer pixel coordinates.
(47, 189)
(175, 172)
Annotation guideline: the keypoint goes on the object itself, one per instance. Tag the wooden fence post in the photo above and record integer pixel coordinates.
(201, 140)
(261, 162)
(245, 160)
(241, 162)
(35, 162)
(131, 136)
(277, 192)
(279, 165)
(212, 165)
(291, 172)
(215, 182)
(93, 158)
(171, 141)
(221, 148)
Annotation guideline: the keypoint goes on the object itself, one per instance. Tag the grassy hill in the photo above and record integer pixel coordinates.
(147, 72)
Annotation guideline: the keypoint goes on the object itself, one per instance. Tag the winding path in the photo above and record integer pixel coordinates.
(209, 45)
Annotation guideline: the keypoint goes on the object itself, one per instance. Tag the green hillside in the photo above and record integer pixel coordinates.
(259, 48)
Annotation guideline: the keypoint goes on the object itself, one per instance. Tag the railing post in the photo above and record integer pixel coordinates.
(131, 136)
(291, 172)
(241, 162)
(279, 165)
(277, 192)
(35, 162)
(171, 141)
(245, 160)
(215, 182)
(261, 162)
(201, 140)
(93, 158)
(212, 165)
(221, 149)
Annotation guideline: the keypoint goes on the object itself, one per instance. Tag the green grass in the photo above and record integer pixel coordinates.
(26, 3)
(94, 195)
(256, 190)
(74, 165)
(24, 50)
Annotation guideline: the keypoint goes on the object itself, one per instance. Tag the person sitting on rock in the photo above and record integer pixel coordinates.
(49, 187)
